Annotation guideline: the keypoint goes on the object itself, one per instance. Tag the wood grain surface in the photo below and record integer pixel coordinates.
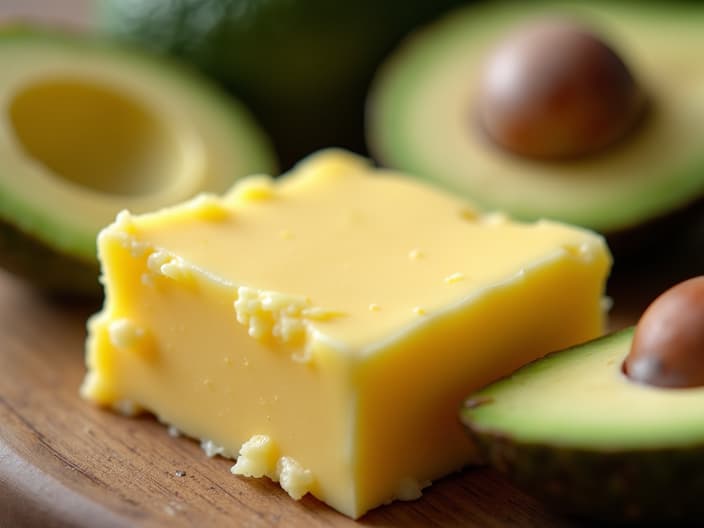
(64, 462)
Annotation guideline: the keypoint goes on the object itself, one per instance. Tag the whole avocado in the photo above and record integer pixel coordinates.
(302, 66)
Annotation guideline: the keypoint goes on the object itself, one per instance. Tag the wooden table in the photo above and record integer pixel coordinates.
(65, 462)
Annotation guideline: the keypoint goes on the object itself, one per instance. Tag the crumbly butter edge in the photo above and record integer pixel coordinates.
(260, 457)
(409, 489)
(590, 245)
(167, 263)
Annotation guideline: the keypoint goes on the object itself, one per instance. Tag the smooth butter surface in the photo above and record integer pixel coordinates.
(328, 325)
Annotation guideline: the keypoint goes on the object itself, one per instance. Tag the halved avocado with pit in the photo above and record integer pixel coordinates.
(575, 430)
(90, 129)
(424, 106)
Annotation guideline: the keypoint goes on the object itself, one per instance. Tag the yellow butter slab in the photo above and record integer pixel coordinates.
(326, 326)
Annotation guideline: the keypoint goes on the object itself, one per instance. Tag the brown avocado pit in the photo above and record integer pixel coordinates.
(668, 344)
(555, 90)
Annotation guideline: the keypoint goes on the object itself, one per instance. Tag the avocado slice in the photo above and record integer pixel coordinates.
(573, 429)
(89, 129)
(422, 109)
(302, 67)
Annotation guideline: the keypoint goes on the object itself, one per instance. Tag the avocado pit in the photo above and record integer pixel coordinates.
(555, 90)
(668, 344)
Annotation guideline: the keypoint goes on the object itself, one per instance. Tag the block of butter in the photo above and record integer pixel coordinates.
(324, 328)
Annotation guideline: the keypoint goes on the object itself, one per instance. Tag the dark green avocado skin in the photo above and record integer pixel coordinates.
(302, 66)
(51, 271)
(646, 486)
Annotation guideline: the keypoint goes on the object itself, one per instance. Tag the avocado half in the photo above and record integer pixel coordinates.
(574, 430)
(421, 117)
(88, 130)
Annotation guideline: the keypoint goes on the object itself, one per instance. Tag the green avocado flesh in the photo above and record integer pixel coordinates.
(421, 116)
(90, 129)
(573, 429)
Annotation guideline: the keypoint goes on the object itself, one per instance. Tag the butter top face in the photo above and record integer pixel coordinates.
(358, 253)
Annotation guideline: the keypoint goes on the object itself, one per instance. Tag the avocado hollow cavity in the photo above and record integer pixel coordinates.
(96, 136)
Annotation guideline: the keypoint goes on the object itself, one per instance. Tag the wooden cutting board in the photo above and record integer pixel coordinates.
(65, 462)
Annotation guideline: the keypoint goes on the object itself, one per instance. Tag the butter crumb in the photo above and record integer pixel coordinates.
(156, 260)
(124, 221)
(303, 356)
(126, 407)
(258, 327)
(257, 458)
(137, 248)
(162, 263)
(175, 269)
(373, 307)
(455, 277)
(269, 314)
(173, 431)
(289, 329)
(124, 334)
(211, 449)
(294, 479)
(410, 489)
(419, 311)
